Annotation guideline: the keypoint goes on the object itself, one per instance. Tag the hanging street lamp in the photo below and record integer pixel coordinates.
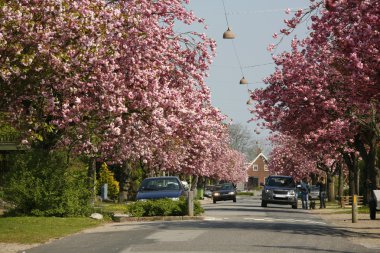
(243, 81)
(229, 34)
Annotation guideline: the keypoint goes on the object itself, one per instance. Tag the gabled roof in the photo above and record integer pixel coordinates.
(254, 160)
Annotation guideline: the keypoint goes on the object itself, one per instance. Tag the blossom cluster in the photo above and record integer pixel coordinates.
(326, 88)
(112, 79)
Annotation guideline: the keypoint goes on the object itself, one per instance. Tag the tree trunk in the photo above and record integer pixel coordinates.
(341, 180)
(194, 183)
(351, 161)
(123, 190)
(330, 187)
(369, 158)
(91, 179)
(357, 180)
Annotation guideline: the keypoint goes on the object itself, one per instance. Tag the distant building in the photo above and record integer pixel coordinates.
(257, 171)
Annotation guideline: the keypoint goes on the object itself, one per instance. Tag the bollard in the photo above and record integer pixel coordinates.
(354, 209)
(104, 192)
(190, 203)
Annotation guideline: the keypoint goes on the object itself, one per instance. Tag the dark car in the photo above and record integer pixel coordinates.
(160, 187)
(224, 192)
(279, 190)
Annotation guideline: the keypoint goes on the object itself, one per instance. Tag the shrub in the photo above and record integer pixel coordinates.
(162, 207)
(107, 177)
(42, 184)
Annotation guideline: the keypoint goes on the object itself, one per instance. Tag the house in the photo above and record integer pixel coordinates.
(257, 171)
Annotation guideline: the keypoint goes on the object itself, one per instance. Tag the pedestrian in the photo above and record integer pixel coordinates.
(305, 189)
(322, 192)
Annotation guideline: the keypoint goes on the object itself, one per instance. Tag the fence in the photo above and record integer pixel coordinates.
(347, 201)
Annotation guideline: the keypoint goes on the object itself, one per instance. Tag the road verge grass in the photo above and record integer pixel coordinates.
(28, 230)
(335, 208)
(105, 208)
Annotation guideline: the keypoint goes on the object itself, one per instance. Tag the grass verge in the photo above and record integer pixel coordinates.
(335, 208)
(28, 230)
(111, 208)
(361, 209)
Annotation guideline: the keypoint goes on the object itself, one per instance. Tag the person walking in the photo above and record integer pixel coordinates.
(305, 189)
(322, 192)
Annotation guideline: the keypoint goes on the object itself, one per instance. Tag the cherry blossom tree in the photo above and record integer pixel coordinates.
(325, 91)
(112, 80)
(288, 157)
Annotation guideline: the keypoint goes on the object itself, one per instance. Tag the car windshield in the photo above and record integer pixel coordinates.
(209, 188)
(227, 187)
(281, 182)
(314, 188)
(159, 184)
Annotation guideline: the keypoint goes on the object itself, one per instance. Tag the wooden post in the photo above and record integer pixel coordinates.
(354, 208)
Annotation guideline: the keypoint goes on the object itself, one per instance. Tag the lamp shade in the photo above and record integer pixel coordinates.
(228, 34)
(243, 81)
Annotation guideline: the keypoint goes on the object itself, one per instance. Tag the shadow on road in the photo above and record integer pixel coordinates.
(251, 208)
(280, 227)
(298, 248)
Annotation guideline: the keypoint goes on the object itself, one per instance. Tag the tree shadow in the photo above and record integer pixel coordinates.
(280, 227)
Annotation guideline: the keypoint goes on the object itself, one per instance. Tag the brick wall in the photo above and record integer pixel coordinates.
(261, 165)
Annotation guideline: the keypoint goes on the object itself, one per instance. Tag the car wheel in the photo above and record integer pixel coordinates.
(295, 206)
(234, 200)
(214, 201)
(263, 203)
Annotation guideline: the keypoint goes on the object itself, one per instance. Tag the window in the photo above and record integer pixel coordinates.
(255, 167)
(266, 167)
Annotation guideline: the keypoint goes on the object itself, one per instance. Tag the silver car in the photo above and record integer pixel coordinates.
(279, 190)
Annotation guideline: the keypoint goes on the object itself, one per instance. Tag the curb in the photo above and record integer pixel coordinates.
(125, 218)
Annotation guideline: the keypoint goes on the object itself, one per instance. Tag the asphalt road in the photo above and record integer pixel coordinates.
(229, 227)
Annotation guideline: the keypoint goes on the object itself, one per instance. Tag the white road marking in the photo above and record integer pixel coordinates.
(286, 220)
(175, 235)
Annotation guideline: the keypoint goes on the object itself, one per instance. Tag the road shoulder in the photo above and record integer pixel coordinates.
(365, 232)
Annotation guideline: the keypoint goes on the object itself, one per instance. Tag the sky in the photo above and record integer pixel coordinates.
(254, 22)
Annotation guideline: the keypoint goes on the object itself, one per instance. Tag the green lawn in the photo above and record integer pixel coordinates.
(335, 208)
(111, 207)
(29, 230)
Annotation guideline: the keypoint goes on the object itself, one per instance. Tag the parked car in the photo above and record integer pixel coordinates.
(208, 191)
(279, 190)
(314, 192)
(313, 196)
(186, 185)
(224, 192)
(161, 187)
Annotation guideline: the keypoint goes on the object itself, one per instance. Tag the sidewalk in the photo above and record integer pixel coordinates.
(365, 232)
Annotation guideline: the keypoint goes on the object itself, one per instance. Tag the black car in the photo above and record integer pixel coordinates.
(224, 192)
(161, 187)
(279, 190)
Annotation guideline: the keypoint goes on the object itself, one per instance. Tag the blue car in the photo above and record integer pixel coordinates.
(161, 187)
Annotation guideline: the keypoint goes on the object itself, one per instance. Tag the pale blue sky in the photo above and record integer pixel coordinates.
(253, 22)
